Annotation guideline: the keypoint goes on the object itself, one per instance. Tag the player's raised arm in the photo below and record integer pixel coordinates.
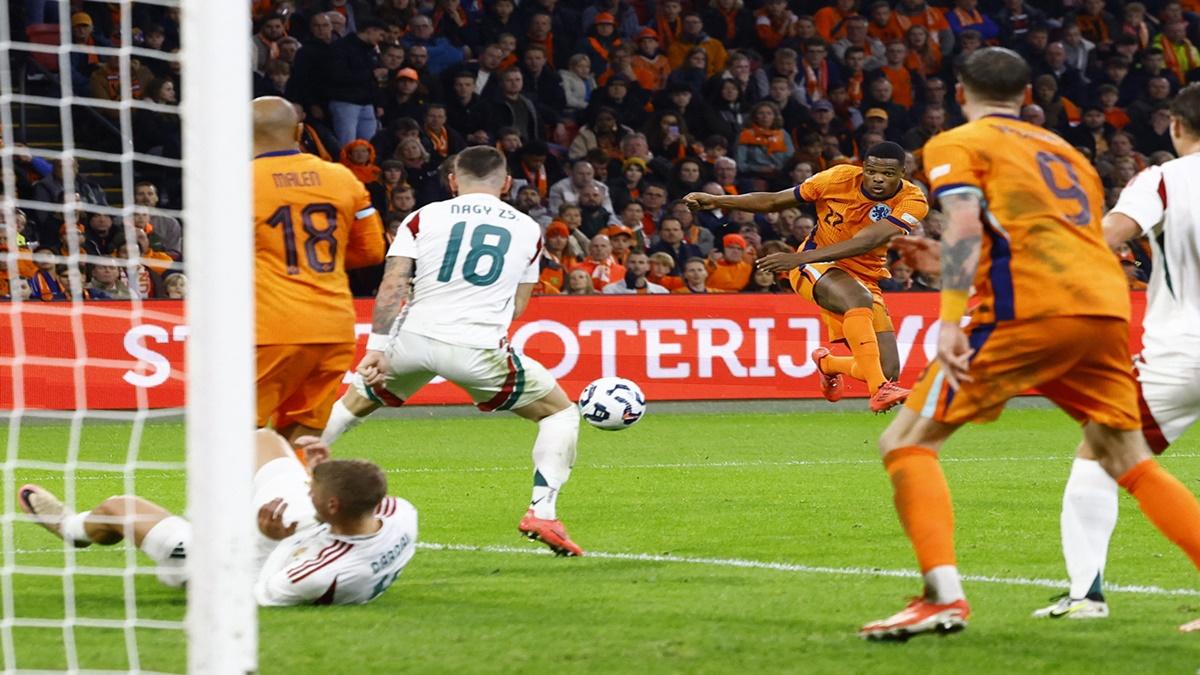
(869, 238)
(754, 202)
(962, 242)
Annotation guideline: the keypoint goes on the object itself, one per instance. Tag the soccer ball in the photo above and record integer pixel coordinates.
(612, 403)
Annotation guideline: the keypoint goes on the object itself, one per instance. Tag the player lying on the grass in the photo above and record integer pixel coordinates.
(475, 261)
(839, 266)
(1052, 315)
(1158, 203)
(339, 541)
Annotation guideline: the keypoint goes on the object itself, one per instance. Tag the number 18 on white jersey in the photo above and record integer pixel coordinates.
(471, 253)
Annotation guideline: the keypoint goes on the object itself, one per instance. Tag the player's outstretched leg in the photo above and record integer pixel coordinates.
(838, 292)
(553, 457)
(348, 412)
(922, 498)
(1168, 503)
(159, 534)
(1089, 515)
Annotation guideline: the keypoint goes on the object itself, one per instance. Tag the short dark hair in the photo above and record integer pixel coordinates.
(359, 485)
(996, 73)
(887, 150)
(480, 162)
(1186, 107)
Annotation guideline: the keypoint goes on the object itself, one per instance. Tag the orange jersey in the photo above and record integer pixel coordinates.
(843, 209)
(1043, 247)
(312, 220)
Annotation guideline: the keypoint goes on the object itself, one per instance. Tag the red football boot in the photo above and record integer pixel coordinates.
(831, 385)
(549, 532)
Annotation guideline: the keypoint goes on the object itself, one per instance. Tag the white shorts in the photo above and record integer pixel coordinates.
(168, 541)
(496, 379)
(1169, 392)
(287, 479)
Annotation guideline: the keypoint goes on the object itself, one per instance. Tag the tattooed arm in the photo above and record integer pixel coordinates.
(389, 302)
(961, 244)
(392, 295)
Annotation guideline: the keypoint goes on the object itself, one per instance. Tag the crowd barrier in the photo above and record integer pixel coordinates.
(113, 355)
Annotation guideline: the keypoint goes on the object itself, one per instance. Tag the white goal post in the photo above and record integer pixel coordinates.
(222, 622)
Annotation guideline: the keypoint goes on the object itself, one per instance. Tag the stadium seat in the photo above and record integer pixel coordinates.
(44, 34)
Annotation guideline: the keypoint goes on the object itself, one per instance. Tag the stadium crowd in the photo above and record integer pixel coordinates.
(610, 111)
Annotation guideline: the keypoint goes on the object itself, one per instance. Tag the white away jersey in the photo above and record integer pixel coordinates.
(471, 253)
(1165, 202)
(318, 568)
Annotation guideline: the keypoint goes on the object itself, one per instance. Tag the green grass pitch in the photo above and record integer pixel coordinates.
(717, 497)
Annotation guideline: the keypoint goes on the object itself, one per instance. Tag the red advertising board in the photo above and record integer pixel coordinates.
(110, 355)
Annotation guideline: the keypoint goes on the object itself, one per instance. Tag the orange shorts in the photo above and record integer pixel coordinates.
(298, 384)
(1081, 363)
(805, 278)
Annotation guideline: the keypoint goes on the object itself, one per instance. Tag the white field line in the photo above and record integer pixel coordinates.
(742, 563)
(729, 464)
(808, 569)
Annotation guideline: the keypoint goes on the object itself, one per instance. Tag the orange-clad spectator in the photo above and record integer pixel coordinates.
(661, 267)
(1180, 54)
(650, 67)
(622, 237)
(774, 23)
(1060, 111)
(668, 22)
(730, 22)
(693, 36)
(359, 156)
(854, 78)
(831, 21)
(924, 54)
(579, 282)
(911, 13)
(600, 264)
(728, 269)
(1096, 24)
(695, 277)
(1108, 95)
(44, 283)
(965, 15)
(555, 259)
(881, 27)
(25, 265)
(858, 36)
(904, 80)
(1134, 23)
(266, 41)
(600, 41)
(620, 63)
(814, 67)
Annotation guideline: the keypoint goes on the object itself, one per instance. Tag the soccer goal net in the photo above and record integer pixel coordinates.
(126, 189)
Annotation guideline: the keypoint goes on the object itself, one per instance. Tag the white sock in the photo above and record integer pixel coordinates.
(1089, 515)
(943, 585)
(553, 457)
(72, 528)
(341, 420)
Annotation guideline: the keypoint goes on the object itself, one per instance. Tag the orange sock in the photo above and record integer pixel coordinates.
(844, 365)
(1167, 503)
(859, 329)
(301, 455)
(922, 500)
